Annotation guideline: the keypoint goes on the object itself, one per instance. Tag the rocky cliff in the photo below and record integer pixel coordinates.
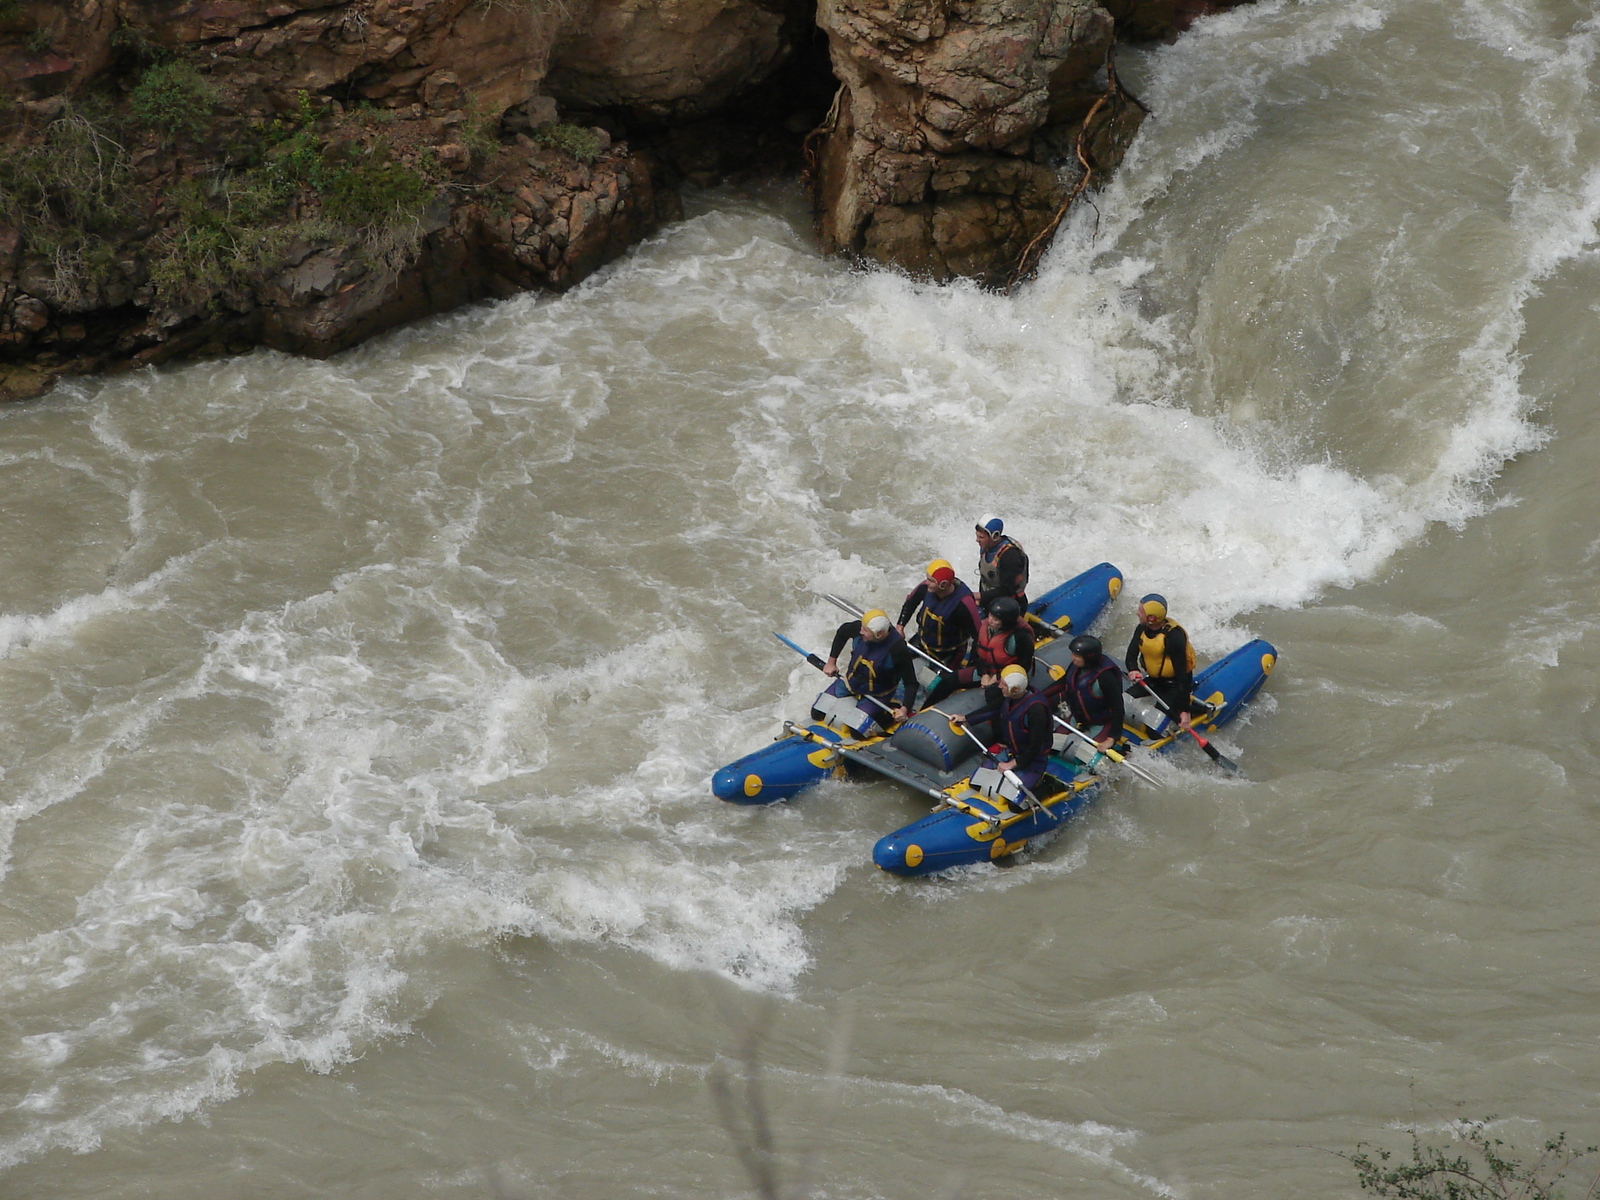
(190, 177)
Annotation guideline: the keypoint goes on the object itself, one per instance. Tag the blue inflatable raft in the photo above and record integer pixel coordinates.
(924, 753)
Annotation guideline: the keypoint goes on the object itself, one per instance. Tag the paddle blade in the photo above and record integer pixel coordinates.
(1215, 755)
(802, 652)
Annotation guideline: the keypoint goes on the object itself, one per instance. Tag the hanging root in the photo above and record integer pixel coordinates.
(1112, 99)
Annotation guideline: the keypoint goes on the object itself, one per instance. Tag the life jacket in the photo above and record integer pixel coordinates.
(938, 621)
(1077, 689)
(872, 671)
(1014, 718)
(996, 650)
(989, 567)
(1153, 654)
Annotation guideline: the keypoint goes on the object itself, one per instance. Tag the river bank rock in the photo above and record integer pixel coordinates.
(961, 129)
(200, 177)
(191, 177)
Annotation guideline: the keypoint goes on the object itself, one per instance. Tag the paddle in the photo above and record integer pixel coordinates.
(841, 602)
(1011, 776)
(1044, 626)
(1212, 752)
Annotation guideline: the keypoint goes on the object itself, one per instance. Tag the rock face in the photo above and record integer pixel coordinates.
(671, 59)
(207, 175)
(185, 177)
(943, 153)
(541, 220)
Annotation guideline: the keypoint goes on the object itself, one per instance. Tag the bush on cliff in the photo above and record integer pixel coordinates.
(1474, 1166)
(173, 97)
(68, 196)
(231, 230)
(583, 144)
(201, 228)
(378, 194)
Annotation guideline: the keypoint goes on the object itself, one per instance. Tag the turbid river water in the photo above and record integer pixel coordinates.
(359, 715)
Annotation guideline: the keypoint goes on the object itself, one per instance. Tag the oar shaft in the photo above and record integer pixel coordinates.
(977, 741)
(1212, 752)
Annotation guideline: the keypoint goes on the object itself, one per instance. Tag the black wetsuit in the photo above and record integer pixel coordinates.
(900, 658)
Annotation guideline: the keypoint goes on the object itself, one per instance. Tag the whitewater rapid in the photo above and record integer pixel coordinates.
(319, 675)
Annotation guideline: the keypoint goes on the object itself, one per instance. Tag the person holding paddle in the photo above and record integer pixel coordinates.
(1022, 718)
(949, 618)
(880, 661)
(1091, 689)
(1160, 659)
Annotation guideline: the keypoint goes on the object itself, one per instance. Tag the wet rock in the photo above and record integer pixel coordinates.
(940, 152)
(940, 155)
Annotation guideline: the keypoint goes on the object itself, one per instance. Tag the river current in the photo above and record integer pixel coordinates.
(355, 828)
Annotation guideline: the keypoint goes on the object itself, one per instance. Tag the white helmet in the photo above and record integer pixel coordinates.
(1013, 677)
(875, 621)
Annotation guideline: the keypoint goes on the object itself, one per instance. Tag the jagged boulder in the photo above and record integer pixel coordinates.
(944, 152)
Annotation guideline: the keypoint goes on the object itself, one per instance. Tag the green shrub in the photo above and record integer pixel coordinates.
(231, 234)
(481, 136)
(376, 194)
(174, 97)
(583, 144)
(68, 196)
(296, 158)
(132, 44)
(306, 112)
(369, 113)
(1475, 1166)
(233, 201)
(75, 179)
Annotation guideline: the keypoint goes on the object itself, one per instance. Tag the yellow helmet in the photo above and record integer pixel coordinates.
(1014, 676)
(875, 620)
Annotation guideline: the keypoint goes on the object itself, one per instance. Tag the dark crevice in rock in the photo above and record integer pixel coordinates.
(759, 134)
